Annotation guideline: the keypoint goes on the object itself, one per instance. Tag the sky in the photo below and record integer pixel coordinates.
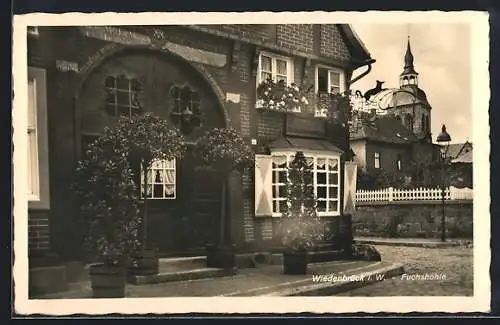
(441, 57)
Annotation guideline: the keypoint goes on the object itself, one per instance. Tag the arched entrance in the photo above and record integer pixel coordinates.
(185, 203)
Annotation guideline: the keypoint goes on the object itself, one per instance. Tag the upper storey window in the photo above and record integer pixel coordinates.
(329, 80)
(275, 67)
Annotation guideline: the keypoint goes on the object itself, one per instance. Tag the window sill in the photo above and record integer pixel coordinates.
(33, 198)
(259, 105)
(320, 114)
(158, 199)
(38, 205)
(320, 215)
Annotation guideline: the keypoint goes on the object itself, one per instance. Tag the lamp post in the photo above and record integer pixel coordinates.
(443, 140)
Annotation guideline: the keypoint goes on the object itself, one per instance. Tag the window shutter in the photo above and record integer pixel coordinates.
(263, 185)
(350, 175)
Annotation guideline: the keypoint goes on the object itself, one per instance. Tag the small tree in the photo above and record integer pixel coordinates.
(300, 226)
(223, 151)
(106, 184)
(148, 138)
(107, 197)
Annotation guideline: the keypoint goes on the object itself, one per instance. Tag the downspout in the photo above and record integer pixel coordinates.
(369, 68)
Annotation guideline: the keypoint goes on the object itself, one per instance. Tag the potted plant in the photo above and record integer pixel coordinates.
(107, 201)
(222, 151)
(299, 228)
(148, 138)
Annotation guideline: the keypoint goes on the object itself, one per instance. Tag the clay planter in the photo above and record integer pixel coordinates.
(295, 262)
(108, 281)
(146, 263)
(220, 256)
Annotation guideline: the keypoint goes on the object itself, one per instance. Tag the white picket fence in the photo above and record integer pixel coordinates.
(418, 194)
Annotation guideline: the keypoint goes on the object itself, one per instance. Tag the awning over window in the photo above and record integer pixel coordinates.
(304, 144)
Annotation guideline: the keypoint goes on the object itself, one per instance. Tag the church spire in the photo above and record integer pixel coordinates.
(409, 69)
(409, 75)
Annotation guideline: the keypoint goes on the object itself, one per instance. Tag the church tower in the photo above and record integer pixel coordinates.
(410, 101)
(409, 77)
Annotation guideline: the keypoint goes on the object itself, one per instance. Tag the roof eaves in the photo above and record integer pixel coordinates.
(359, 50)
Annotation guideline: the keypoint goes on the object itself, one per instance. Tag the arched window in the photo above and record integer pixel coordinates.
(186, 112)
(185, 99)
(409, 122)
(122, 96)
(428, 124)
(424, 123)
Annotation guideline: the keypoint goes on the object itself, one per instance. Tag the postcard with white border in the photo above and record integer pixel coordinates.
(259, 162)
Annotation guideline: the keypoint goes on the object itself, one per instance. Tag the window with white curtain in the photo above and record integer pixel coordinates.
(326, 178)
(161, 180)
(275, 67)
(33, 161)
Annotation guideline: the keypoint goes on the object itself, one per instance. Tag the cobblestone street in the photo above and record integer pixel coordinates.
(456, 263)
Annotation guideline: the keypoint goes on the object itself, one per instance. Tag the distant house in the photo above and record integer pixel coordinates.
(460, 152)
(385, 144)
(461, 158)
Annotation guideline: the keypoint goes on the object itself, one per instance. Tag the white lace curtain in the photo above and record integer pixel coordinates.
(162, 172)
(332, 163)
(320, 162)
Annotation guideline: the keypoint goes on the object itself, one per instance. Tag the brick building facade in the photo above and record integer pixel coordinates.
(79, 77)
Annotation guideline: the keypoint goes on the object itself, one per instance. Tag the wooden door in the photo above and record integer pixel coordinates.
(199, 211)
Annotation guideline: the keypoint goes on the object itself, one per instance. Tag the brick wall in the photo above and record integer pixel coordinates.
(321, 39)
(38, 231)
(264, 227)
(263, 33)
(297, 36)
(269, 125)
(331, 43)
(418, 219)
(248, 207)
(245, 83)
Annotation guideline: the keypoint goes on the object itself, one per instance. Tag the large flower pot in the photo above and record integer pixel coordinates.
(107, 281)
(144, 262)
(295, 262)
(220, 256)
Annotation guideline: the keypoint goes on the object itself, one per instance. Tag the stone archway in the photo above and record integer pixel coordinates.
(183, 222)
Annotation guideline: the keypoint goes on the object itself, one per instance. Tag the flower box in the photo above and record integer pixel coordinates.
(278, 96)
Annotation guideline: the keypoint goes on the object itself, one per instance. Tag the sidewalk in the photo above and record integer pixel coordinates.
(410, 242)
(267, 280)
